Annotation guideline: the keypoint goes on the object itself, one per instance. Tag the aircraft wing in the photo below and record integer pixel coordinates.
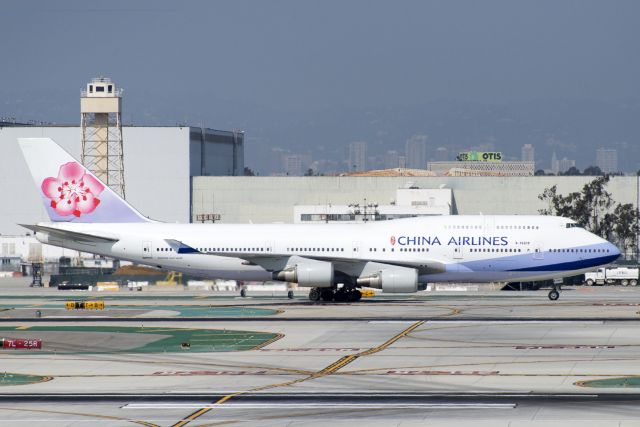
(71, 235)
(276, 262)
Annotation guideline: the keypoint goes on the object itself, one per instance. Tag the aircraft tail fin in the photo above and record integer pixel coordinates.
(69, 191)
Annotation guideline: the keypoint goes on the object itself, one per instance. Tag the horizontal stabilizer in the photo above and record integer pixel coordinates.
(71, 235)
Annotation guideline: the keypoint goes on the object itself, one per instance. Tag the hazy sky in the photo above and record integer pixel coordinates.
(290, 55)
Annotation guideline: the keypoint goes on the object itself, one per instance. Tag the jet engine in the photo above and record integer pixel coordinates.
(309, 273)
(391, 279)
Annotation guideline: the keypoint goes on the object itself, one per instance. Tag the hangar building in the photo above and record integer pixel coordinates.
(286, 199)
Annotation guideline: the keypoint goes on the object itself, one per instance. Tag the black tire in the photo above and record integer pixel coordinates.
(554, 295)
(290, 294)
(314, 294)
(589, 282)
(327, 295)
(341, 296)
(356, 295)
(243, 293)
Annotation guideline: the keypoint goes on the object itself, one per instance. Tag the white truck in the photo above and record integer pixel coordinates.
(624, 276)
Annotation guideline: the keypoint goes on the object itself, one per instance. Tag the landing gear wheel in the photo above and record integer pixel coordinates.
(290, 294)
(341, 296)
(355, 295)
(554, 295)
(327, 295)
(314, 294)
(243, 293)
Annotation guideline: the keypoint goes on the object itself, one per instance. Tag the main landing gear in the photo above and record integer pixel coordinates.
(335, 294)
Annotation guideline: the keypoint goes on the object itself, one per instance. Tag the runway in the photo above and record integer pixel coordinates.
(470, 359)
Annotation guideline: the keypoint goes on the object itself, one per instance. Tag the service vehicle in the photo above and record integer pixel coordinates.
(624, 276)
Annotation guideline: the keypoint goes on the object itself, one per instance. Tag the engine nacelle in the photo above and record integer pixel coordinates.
(391, 279)
(309, 273)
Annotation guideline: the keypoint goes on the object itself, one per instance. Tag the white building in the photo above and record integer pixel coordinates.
(478, 168)
(27, 249)
(159, 163)
(555, 164)
(357, 156)
(442, 154)
(409, 202)
(416, 152)
(292, 164)
(565, 164)
(528, 153)
(607, 159)
(275, 199)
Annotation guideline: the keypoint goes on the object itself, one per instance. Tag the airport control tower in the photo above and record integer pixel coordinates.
(101, 122)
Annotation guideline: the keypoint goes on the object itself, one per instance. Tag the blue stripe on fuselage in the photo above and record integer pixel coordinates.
(570, 265)
(549, 261)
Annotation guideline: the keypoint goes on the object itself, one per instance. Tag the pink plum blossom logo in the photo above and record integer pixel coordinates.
(73, 192)
(392, 240)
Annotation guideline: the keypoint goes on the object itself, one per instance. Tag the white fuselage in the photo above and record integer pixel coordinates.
(441, 248)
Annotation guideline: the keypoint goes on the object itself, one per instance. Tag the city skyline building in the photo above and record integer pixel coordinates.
(565, 164)
(357, 156)
(416, 152)
(607, 160)
(391, 159)
(555, 164)
(528, 153)
(442, 154)
(292, 164)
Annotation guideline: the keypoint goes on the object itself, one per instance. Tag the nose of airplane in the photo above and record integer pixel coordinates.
(613, 250)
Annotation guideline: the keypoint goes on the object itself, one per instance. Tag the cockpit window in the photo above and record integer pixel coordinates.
(573, 225)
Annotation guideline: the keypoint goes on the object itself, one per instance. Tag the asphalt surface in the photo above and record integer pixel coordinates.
(449, 359)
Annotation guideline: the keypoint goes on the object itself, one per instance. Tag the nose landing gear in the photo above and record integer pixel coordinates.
(554, 293)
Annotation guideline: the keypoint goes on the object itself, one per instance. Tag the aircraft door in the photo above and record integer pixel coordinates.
(146, 250)
(537, 251)
(355, 246)
(488, 225)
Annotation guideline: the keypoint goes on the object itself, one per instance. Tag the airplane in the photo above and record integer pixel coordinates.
(334, 260)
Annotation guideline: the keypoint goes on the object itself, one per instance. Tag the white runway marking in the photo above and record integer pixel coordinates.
(320, 405)
(391, 321)
(509, 322)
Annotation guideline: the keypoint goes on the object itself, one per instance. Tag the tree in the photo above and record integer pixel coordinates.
(248, 172)
(594, 209)
(593, 171)
(539, 172)
(626, 226)
(572, 171)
